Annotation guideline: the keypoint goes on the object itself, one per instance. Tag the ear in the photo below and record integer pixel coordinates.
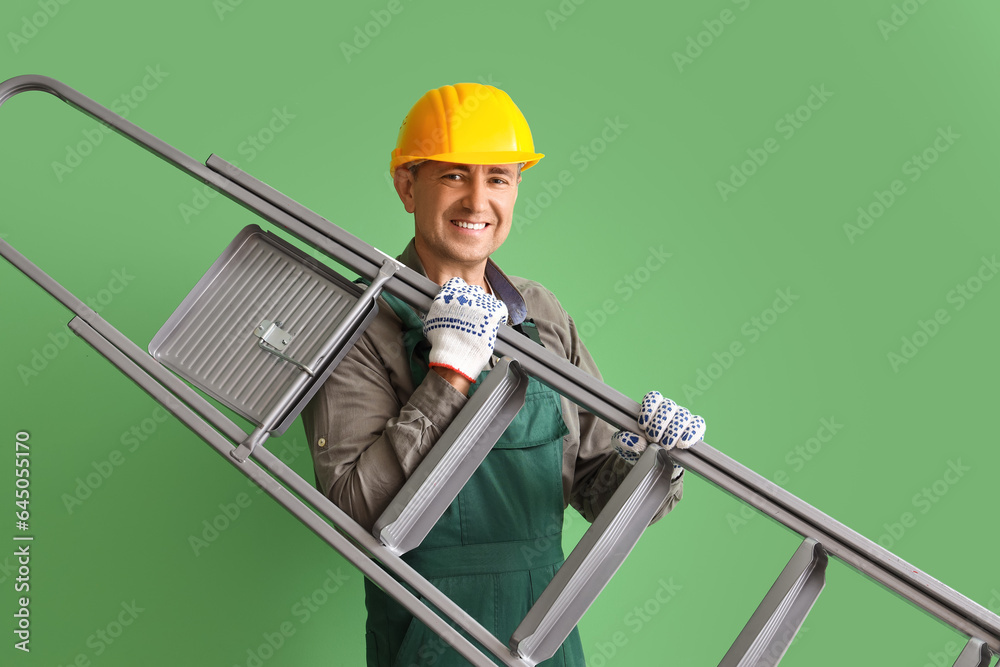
(403, 180)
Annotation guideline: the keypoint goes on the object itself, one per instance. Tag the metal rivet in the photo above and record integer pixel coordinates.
(321, 442)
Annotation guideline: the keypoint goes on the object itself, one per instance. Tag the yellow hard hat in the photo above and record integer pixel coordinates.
(468, 123)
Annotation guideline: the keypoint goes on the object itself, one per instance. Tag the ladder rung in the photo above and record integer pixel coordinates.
(975, 654)
(773, 626)
(596, 558)
(454, 458)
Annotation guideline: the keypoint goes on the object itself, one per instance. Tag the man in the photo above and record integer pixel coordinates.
(456, 167)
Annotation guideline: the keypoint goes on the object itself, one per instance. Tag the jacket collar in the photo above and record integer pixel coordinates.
(501, 284)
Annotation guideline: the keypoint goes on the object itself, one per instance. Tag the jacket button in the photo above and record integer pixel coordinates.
(321, 442)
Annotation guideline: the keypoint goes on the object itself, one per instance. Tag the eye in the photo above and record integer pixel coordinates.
(452, 176)
(499, 180)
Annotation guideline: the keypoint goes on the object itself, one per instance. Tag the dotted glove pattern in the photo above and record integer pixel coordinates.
(461, 326)
(664, 422)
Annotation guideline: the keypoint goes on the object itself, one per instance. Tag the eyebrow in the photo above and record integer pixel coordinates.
(500, 169)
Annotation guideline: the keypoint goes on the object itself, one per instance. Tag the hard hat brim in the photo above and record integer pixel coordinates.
(486, 157)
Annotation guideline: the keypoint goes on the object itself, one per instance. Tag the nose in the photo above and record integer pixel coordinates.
(476, 197)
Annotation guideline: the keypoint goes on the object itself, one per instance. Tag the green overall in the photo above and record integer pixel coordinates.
(497, 545)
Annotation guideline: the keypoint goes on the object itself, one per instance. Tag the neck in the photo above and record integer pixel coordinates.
(442, 271)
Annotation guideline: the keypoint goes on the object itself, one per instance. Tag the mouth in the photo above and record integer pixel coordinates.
(472, 226)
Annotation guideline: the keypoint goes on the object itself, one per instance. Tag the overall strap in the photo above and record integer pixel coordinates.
(417, 347)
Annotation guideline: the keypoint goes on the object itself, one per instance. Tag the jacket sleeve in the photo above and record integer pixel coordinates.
(369, 428)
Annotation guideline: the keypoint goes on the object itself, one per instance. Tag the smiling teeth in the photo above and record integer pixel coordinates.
(470, 225)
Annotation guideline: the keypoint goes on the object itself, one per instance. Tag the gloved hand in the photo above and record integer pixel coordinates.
(461, 326)
(664, 422)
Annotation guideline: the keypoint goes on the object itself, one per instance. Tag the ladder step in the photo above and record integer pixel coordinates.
(264, 327)
(596, 558)
(773, 626)
(453, 459)
(975, 654)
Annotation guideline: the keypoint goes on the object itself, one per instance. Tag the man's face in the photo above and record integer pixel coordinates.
(462, 212)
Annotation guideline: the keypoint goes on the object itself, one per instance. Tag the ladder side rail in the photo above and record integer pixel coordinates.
(354, 552)
(604, 401)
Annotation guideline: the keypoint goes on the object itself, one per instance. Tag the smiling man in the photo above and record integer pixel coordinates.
(456, 167)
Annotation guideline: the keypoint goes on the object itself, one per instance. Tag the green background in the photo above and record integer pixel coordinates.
(226, 70)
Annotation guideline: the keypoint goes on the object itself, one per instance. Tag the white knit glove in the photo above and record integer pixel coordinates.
(462, 326)
(662, 421)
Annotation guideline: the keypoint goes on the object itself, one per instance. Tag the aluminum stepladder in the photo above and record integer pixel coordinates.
(587, 569)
